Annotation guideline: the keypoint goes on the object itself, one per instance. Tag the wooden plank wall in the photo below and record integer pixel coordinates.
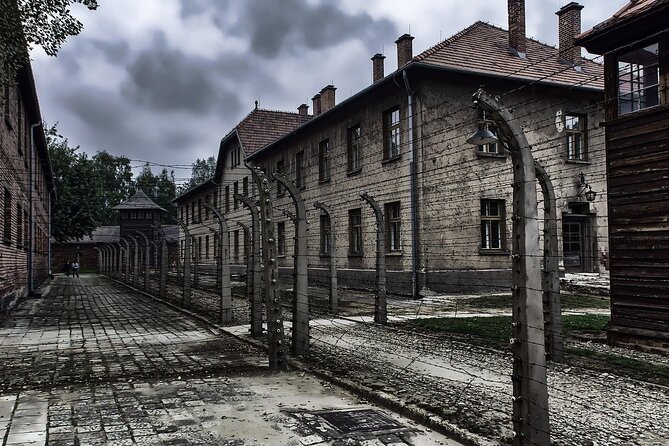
(638, 169)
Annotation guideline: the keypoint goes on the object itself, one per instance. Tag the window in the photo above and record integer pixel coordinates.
(324, 161)
(280, 191)
(227, 198)
(281, 238)
(235, 251)
(638, 79)
(299, 169)
(355, 232)
(393, 223)
(575, 128)
(235, 157)
(391, 134)
(216, 243)
(19, 226)
(206, 246)
(235, 189)
(199, 248)
(7, 213)
(192, 213)
(486, 124)
(214, 199)
(354, 152)
(245, 186)
(492, 224)
(19, 127)
(26, 230)
(326, 234)
(199, 210)
(207, 201)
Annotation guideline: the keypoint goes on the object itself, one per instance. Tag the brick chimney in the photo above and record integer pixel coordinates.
(303, 109)
(517, 40)
(377, 67)
(569, 27)
(327, 98)
(316, 100)
(404, 49)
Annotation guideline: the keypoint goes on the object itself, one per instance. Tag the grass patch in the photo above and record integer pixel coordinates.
(498, 328)
(569, 302)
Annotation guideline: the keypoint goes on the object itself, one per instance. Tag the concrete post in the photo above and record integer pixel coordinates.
(135, 262)
(162, 281)
(249, 263)
(334, 294)
(256, 270)
(380, 305)
(186, 296)
(530, 391)
(147, 259)
(98, 263)
(301, 263)
(127, 259)
(551, 274)
(196, 262)
(275, 333)
(224, 261)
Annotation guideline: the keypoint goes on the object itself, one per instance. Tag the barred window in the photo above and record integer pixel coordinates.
(326, 234)
(355, 231)
(324, 160)
(576, 137)
(354, 152)
(391, 133)
(281, 238)
(7, 213)
(393, 226)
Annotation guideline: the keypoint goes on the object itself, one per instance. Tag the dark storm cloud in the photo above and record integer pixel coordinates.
(115, 52)
(167, 79)
(273, 26)
(295, 22)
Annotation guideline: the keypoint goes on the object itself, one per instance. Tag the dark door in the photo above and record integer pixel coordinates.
(573, 246)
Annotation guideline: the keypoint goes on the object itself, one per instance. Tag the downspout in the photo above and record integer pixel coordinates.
(412, 189)
(48, 266)
(31, 222)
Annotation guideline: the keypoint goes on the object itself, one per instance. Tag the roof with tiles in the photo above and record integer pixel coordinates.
(484, 48)
(139, 201)
(260, 127)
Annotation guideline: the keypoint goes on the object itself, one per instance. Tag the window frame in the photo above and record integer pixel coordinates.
(393, 227)
(324, 162)
(355, 232)
(7, 215)
(325, 235)
(486, 226)
(300, 179)
(235, 191)
(582, 131)
(637, 91)
(280, 189)
(281, 239)
(354, 149)
(392, 132)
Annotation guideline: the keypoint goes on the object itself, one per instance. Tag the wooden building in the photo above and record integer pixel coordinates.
(635, 46)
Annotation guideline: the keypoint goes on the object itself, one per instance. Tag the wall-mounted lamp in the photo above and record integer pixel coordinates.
(482, 136)
(586, 189)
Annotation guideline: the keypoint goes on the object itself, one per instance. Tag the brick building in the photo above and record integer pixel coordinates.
(26, 187)
(403, 140)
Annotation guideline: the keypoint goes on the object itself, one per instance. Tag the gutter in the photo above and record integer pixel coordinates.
(413, 193)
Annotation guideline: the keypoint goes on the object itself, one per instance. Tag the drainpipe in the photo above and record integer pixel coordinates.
(49, 195)
(31, 222)
(412, 190)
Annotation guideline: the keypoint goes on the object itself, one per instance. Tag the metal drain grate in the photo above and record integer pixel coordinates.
(349, 423)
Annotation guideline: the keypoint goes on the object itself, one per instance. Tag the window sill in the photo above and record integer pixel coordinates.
(493, 252)
(324, 255)
(394, 254)
(391, 160)
(354, 172)
(6, 241)
(324, 181)
(499, 156)
(281, 256)
(574, 161)
(355, 254)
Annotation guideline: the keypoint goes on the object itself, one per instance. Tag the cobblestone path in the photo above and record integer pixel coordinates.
(94, 364)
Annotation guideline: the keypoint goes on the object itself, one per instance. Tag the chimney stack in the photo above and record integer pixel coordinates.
(316, 100)
(377, 67)
(327, 98)
(517, 41)
(404, 49)
(569, 27)
(303, 109)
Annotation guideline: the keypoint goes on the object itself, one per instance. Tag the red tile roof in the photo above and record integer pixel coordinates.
(484, 48)
(261, 127)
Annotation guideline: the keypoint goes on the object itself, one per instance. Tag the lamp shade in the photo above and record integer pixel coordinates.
(590, 195)
(481, 137)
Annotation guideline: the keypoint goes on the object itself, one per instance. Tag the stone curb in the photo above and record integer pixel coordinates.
(382, 399)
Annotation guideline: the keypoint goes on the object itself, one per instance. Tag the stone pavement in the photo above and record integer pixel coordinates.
(94, 364)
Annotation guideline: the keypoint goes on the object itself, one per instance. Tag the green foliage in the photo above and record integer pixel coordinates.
(25, 24)
(203, 170)
(113, 184)
(503, 301)
(160, 188)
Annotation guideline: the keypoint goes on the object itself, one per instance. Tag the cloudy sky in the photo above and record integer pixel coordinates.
(164, 80)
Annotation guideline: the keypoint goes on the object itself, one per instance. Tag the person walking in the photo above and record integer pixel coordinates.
(75, 269)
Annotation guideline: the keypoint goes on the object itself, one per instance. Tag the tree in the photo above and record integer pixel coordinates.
(113, 184)
(25, 24)
(75, 209)
(160, 188)
(203, 170)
